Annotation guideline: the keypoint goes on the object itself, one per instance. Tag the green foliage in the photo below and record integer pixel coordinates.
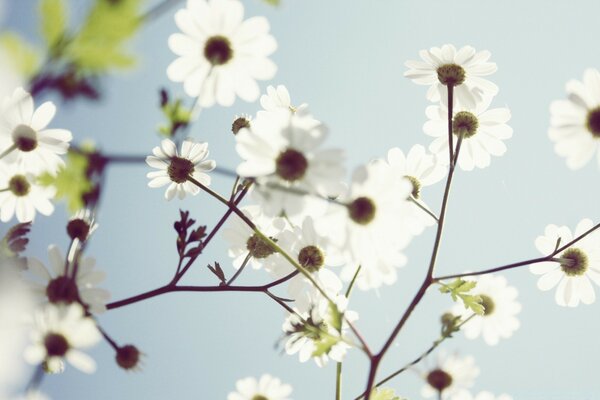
(177, 114)
(273, 3)
(336, 317)
(324, 345)
(384, 394)
(98, 45)
(23, 55)
(71, 181)
(54, 19)
(459, 289)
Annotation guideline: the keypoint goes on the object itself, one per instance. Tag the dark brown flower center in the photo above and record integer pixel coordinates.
(62, 290)
(217, 50)
(24, 138)
(488, 304)
(78, 229)
(259, 248)
(128, 357)
(291, 165)
(574, 262)
(239, 123)
(19, 186)
(311, 258)
(259, 397)
(439, 379)
(56, 345)
(465, 124)
(180, 169)
(362, 210)
(593, 122)
(451, 74)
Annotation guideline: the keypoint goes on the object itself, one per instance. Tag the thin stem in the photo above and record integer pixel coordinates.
(495, 269)
(107, 337)
(234, 187)
(450, 114)
(36, 379)
(338, 381)
(4, 190)
(351, 285)
(240, 269)
(422, 207)
(8, 151)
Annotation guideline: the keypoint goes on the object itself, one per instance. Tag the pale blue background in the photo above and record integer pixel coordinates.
(345, 58)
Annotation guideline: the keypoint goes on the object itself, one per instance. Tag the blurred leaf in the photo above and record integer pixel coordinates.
(15, 241)
(98, 45)
(178, 116)
(459, 289)
(273, 2)
(71, 181)
(23, 55)
(384, 394)
(53, 15)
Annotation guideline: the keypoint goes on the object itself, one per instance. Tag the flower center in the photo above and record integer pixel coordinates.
(240, 123)
(291, 165)
(416, 186)
(593, 122)
(56, 345)
(24, 138)
(259, 397)
(362, 210)
(62, 290)
(217, 50)
(78, 229)
(258, 248)
(451, 74)
(180, 169)
(488, 304)
(311, 258)
(574, 262)
(439, 379)
(465, 124)
(19, 186)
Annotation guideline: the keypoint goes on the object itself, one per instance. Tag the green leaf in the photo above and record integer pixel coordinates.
(71, 181)
(473, 303)
(98, 46)
(336, 317)
(324, 345)
(54, 18)
(25, 58)
(459, 289)
(384, 394)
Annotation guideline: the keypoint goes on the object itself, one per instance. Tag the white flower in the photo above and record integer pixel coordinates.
(59, 332)
(266, 388)
(579, 264)
(278, 99)
(484, 395)
(369, 230)
(483, 131)
(36, 148)
(61, 288)
(501, 307)
(220, 56)
(463, 69)
(20, 194)
(311, 333)
(452, 375)
(422, 170)
(575, 123)
(315, 254)
(244, 242)
(282, 152)
(174, 168)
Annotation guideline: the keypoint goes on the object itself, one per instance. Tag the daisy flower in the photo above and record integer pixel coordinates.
(282, 152)
(174, 168)
(220, 55)
(278, 99)
(63, 289)
(422, 170)
(578, 266)
(451, 376)
(244, 242)
(59, 332)
(314, 253)
(369, 229)
(575, 123)
(484, 395)
(266, 388)
(462, 69)
(499, 320)
(24, 137)
(20, 195)
(483, 131)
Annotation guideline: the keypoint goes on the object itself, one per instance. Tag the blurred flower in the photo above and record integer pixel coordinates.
(501, 307)
(462, 69)
(174, 169)
(23, 129)
(59, 332)
(484, 395)
(452, 375)
(483, 131)
(579, 264)
(266, 388)
(20, 194)
(575, 123)
(220, 56)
